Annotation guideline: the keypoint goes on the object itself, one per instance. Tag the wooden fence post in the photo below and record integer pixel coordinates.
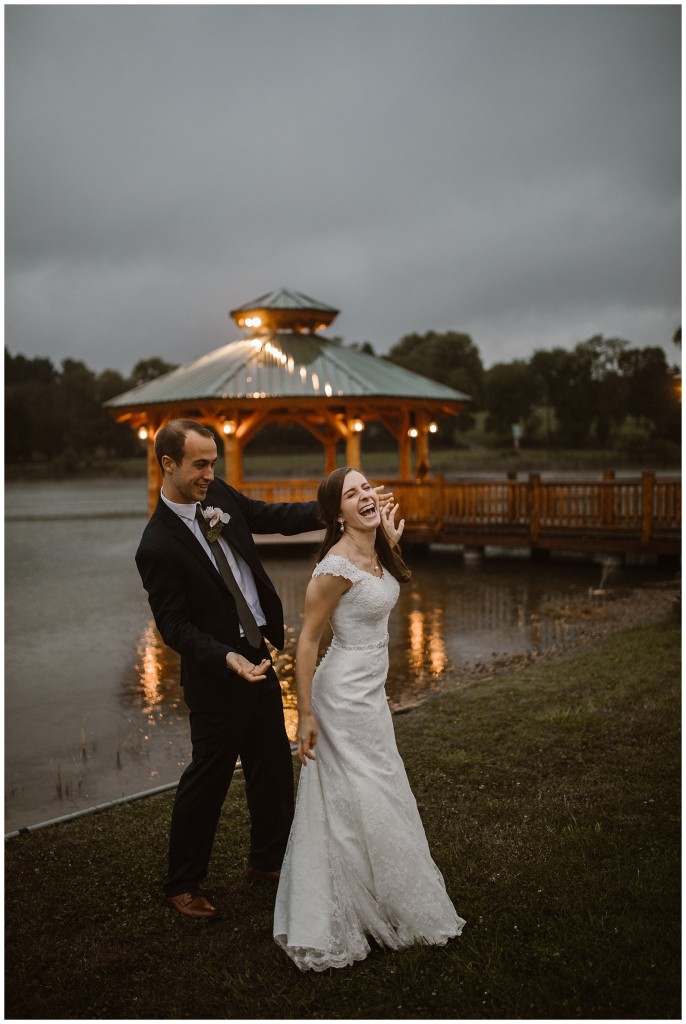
(534, 503)
(511, 497)
(647, 497)
(439, 502)
(607, 499)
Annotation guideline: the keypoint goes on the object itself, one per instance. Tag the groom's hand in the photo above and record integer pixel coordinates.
(385, 497)
(245, 669)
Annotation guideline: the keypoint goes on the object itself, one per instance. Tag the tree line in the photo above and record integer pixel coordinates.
(56, 415)
(601, 393)
(595, 394)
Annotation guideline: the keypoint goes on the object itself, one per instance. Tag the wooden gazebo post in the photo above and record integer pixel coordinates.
(154, 473)
(330, 455)
(235, 431)
(232, 448)
(233, 459)
(150, 423)
(353, 442)
(421, 467)
(404, 448)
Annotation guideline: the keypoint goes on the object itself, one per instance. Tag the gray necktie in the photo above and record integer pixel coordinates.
(247, 619)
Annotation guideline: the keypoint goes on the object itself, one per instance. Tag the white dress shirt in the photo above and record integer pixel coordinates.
(239, 567)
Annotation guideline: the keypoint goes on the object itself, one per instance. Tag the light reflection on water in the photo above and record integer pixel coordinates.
(94, 709)
(155, 677)
(450, 616)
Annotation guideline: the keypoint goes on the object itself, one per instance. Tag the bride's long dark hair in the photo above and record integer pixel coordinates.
(329, 498)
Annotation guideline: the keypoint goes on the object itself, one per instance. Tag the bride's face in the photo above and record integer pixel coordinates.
(359, 503)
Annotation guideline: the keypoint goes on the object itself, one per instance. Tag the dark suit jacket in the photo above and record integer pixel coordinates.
(193, 609)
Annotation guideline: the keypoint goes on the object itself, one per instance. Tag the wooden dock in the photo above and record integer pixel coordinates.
(608, 514)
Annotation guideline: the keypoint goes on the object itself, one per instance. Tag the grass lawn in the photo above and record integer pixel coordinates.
(452, 462)
(551, 802)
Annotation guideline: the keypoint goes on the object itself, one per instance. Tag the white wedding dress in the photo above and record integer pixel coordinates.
(357, 864)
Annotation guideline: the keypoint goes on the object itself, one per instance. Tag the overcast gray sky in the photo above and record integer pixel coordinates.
(508, 171)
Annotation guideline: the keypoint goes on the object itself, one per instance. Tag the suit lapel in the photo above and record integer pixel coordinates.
(229, 533)
(186, 537)
(229, 536)
(180, 532)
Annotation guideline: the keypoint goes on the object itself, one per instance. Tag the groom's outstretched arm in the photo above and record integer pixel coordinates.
(287, 517)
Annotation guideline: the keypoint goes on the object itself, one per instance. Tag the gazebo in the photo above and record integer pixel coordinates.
(285, 371)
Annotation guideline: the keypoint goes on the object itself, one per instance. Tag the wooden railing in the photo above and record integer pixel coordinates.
(637, 514)
(281, 490)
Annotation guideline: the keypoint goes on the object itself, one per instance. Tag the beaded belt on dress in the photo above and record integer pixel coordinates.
(383, 642)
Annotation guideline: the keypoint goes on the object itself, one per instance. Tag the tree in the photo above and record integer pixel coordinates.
(599, 372)
(20, 370)
(362, 346)
(584, 387)
(80, 411)
(116, 440)
(651, 390)
(512, 391)
(557, 370)
(149, 369)
(32, 420)
(449, 357)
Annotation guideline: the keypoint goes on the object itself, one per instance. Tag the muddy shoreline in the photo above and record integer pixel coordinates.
(590, 622)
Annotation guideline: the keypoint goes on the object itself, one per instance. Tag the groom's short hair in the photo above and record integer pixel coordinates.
(171, 439)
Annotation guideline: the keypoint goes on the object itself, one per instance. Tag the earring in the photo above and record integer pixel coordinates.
(341, 525)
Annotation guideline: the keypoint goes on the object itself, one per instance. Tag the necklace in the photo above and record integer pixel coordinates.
(372, 560)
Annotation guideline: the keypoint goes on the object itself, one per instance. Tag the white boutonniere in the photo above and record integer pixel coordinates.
(216, 521)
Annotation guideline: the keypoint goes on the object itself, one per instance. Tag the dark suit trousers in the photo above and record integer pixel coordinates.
(252, 727)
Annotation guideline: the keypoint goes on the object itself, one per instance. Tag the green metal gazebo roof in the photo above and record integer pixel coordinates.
(279, 365)
(284, 298)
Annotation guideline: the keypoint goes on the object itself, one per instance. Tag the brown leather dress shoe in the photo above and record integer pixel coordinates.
(190, 905)
(255, 875)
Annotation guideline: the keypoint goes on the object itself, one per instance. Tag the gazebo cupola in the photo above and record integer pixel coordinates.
(284, 371)
(284, 311)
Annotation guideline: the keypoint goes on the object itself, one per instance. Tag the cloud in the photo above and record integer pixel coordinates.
(509, 171)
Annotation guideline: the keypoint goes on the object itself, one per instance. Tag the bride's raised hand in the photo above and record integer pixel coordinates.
(306, 737)
(393, 532)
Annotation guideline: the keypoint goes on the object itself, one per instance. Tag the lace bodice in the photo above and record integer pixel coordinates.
(360, 620)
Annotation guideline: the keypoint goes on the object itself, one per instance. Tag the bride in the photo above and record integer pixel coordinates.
(358, 864)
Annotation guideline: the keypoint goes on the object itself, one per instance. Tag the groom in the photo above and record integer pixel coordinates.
(227, 676)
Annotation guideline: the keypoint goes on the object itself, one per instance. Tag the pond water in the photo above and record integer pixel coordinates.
(93, 707)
